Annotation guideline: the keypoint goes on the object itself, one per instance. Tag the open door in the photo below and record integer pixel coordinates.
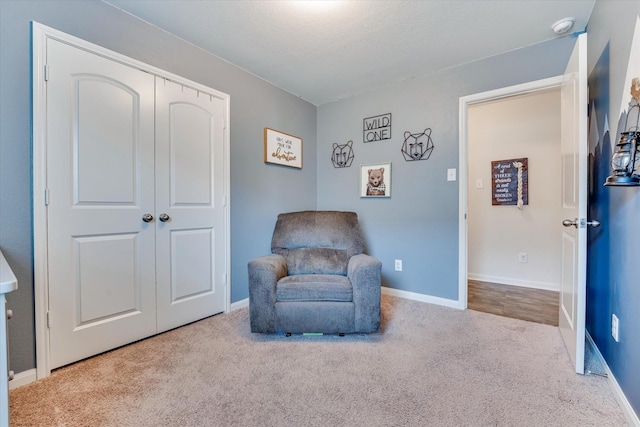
(574, 151)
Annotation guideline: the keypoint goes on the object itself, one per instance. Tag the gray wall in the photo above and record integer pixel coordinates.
(419, 223)
(612, 275)
(258, 192)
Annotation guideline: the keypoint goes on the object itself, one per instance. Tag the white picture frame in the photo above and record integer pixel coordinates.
(370, 184)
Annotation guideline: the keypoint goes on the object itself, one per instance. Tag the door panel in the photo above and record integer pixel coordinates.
(106, 276)
(574, 147)
(106, 138)
(100, 150)
(190, 190)
(189, 276)
(191, 155)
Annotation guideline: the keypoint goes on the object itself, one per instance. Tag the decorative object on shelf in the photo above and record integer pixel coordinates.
(510, 182)
(377, 128)
(375, 180)
(282, 149)
(625, 162)
(417, 146)
(342, 155)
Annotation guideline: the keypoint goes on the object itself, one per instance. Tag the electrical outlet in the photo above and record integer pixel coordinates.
(523, 257)
(398, 265)
(615, 328)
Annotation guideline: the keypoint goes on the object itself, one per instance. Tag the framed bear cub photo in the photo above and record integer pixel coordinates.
(375, 180)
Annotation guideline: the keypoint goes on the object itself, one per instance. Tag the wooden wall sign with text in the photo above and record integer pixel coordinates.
(282, 149)
(504, 181)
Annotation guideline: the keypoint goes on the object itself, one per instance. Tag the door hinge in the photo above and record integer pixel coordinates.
(48, 320)
(224, 278)
(46, 197)
(46, 73)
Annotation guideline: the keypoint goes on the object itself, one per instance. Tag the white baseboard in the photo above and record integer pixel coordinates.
(23, 378)
(239, 304)
(514, 282)
(422, 298)
(632, 417)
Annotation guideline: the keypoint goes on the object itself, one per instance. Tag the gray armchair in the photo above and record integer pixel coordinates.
(317, 278)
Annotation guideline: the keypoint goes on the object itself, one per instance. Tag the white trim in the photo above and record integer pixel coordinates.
(40, 233)
(512, 281)
(422, 298)
(463, 193)
(41, 33)
(23, 378)
(627, 409)
(243, 303)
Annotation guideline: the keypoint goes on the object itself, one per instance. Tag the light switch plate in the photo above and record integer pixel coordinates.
(451, 174)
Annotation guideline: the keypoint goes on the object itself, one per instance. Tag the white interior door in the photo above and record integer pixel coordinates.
(100, 177)
(574, 148)
(190, 200)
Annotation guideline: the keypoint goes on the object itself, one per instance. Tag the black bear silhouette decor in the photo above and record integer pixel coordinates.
(417, 146)
(342, 155)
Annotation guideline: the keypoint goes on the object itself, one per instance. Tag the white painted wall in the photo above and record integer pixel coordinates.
(522, 126)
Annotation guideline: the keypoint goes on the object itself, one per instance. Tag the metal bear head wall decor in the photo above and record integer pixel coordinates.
(417, 146)
(342, 155)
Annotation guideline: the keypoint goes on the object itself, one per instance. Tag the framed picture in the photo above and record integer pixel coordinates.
(375, 180)
(282, 149)
(510, 182)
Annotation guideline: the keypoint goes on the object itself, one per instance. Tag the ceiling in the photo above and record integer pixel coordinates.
(323, 51)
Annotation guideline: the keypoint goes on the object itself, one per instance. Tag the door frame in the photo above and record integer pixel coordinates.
(40, 34)
(463, 202)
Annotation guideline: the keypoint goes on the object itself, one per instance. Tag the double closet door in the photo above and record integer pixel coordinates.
(135, 200)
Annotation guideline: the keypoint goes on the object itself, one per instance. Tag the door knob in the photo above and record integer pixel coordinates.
(164, 217)
(147, 217)
(583, 223)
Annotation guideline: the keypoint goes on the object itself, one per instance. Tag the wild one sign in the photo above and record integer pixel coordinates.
(377, 128)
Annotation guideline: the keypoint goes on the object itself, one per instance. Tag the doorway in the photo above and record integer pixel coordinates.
(505, 249)
(514, 259)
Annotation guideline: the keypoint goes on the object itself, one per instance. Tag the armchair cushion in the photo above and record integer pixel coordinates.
(314, 287)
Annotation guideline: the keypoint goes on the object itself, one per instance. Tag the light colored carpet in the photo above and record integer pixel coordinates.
(429, 366)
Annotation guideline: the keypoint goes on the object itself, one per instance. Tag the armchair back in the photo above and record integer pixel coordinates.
(317, 242)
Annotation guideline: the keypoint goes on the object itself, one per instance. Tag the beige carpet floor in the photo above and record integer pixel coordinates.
(429, 366)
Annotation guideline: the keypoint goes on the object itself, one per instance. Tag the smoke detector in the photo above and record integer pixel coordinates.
(563, 25)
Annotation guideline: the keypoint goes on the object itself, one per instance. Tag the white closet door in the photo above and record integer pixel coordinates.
(100, 182)
(191, 255)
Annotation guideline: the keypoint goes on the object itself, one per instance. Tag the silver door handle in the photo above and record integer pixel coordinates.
(147, 217)
(583, 223)
(164, 217)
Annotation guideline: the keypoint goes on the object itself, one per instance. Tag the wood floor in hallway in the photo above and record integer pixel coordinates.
(534, 305)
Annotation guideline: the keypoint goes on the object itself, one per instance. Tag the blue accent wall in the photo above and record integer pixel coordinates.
(613, 276)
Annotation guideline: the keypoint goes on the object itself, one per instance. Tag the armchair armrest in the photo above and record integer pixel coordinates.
(264, 273)
(364, 272)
